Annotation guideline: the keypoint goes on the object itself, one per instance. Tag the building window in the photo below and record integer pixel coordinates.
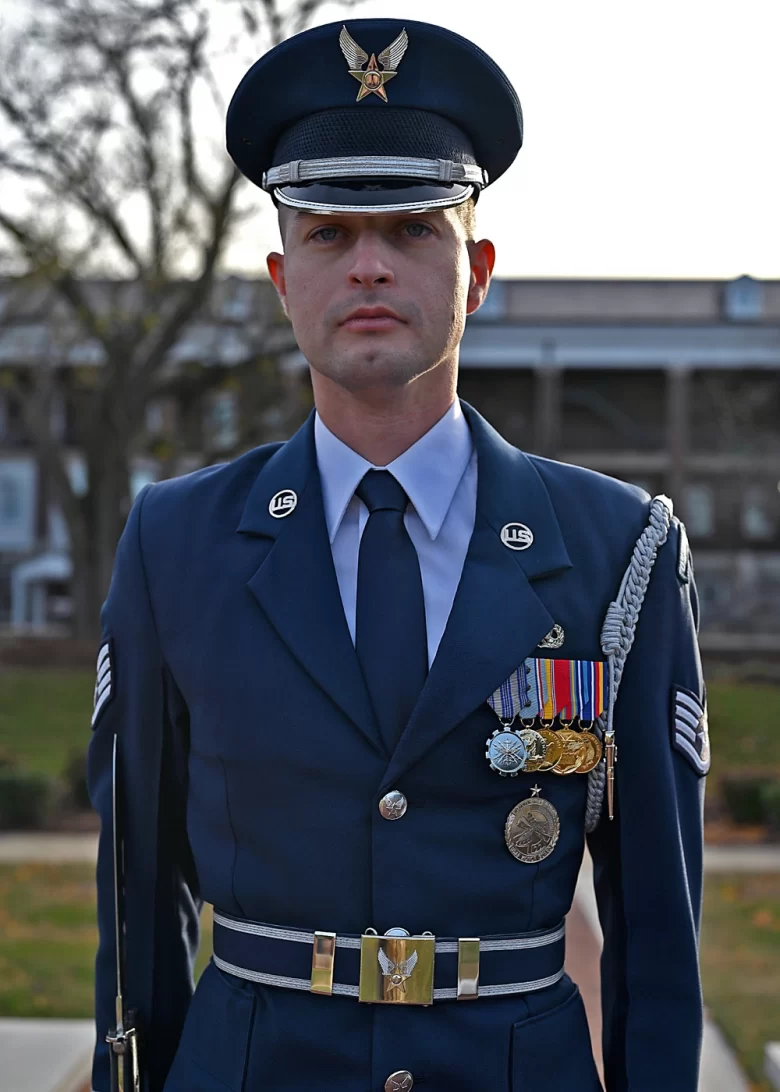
(10, 501)
(155, 418)
(743, 300)
(78, 474)
(759, 514)
(494, 306)
(160, 417)
(18, 486)
(140, 477)
(222, 421)
(699, 503)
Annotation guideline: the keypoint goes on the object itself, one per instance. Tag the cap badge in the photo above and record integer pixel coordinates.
(372, 79)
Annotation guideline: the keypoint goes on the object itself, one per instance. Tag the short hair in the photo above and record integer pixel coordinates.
(465, 212)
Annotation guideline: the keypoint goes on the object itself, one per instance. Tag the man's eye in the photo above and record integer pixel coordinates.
(325, 234)
(416, 230)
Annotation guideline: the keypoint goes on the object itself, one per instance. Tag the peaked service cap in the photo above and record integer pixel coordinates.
(374, 115)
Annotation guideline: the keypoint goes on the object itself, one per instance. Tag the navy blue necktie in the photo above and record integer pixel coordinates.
(390, 636)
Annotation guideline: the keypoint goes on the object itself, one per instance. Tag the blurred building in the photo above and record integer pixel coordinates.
(674, 385)
(224, 387)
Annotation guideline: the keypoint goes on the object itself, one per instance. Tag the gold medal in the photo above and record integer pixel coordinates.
(592, 750)
(554, 751)
(536, 747)
(571, 754)
(532, 829)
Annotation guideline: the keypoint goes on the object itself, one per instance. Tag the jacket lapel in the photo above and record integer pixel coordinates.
(497, 617)
(296, 583)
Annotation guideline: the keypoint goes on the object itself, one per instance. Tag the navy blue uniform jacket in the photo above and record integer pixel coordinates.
(254, 766)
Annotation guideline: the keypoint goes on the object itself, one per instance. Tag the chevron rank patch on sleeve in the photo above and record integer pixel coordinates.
(690, 731)
(104, 685)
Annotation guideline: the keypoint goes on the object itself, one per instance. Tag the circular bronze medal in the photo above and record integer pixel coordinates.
(571, 755)
(536, 746)
(532, 829)
(554, 750)
(592, 750)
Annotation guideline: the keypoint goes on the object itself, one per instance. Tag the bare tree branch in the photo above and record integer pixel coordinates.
(165, 336)
(105, 169)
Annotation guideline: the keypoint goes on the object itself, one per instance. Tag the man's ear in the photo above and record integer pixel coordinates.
(482, 256)
(275, 264)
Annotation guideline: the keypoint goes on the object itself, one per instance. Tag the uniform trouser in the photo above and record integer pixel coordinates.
(242, 1037)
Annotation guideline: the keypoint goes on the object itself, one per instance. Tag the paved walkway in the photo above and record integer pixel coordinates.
(742, 858)
(42, 846)
(45, 1055)
(720, 1071)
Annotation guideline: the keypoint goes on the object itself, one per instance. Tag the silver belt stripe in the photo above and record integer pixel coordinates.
(445, 994)
(443, 947)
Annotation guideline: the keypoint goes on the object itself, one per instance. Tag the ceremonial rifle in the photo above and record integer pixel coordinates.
(125, 1061)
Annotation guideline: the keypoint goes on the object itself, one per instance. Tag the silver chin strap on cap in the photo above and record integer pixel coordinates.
(300, 171)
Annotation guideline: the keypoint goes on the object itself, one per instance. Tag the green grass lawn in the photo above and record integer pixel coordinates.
(44, 715)
(744, 721)
(48, 940)
(741, 963)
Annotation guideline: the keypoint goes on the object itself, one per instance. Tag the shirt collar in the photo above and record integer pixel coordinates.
(430, 470)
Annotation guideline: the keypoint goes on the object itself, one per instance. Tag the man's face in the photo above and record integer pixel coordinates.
(376, 301)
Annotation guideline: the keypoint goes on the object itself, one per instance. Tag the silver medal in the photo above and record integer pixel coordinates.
(506, 752)
(532, 829)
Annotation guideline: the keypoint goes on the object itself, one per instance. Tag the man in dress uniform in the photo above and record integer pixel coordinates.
(368, 687)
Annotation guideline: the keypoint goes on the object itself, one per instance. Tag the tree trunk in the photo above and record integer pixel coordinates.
(94, 541)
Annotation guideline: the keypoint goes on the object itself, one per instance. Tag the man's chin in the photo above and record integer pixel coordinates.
(362, 372)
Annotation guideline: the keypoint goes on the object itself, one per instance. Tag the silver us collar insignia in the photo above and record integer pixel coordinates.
(373, 78)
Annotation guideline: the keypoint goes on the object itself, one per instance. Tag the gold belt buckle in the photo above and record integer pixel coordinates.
(397, 969)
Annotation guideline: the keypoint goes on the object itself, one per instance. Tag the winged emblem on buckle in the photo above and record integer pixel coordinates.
(373, 78)
(396, 972)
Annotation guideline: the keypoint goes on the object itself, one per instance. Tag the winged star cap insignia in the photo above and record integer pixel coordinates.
(373, 78)
(397, 972)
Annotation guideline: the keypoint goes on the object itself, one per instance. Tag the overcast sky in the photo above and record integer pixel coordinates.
(651, 135)
(651, 142)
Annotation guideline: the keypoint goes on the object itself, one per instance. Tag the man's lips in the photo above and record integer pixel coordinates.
(371, 318)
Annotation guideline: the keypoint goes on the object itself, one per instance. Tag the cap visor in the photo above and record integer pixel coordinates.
(369, 198)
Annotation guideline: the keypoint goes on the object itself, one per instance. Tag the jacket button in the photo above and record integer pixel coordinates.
(400, 1081)
(393, 806)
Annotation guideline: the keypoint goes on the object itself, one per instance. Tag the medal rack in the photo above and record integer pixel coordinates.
(556, 746)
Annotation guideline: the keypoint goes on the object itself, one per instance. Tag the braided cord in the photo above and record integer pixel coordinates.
(618, 632)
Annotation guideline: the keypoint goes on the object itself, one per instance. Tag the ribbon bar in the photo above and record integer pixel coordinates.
(553, 688)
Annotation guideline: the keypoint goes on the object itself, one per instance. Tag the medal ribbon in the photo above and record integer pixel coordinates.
(553, 688)
(511, 695)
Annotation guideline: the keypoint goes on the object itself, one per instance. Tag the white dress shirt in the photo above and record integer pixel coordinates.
(439, 475)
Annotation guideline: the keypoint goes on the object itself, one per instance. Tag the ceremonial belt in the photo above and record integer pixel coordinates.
(395, 968)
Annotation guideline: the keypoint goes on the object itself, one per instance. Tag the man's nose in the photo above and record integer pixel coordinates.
(370, 265)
